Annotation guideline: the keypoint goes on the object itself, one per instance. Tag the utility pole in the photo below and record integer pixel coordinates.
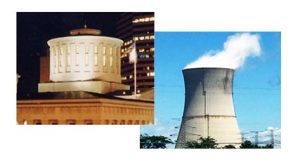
(272, 137)
(256, 137)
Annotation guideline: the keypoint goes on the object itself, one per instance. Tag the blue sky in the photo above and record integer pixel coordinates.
(257, 85)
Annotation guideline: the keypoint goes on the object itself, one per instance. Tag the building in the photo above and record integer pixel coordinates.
(83, 108)
(209, 109)
(80, 82)
(138, 28)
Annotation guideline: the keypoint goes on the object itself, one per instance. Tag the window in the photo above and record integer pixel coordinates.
(68, 56)
(53, 122)
(77, 49)
(141, 50)
(96, 59)
(152, 73)
(61, 49)
(77, 55)
(60, 57)
(86, 59)
(71, 122)
(152, 37)
(37, 122)
(88, 122)
(143, 19)
(110, 57)
(104, 60)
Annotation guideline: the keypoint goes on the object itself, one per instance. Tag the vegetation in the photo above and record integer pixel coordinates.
(248, 145)
(229, 147)
(205, 143)
(149, 142)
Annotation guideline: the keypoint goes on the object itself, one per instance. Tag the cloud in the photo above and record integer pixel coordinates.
(236, 50)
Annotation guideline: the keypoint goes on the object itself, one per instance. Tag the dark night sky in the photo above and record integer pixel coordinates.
(35, 29)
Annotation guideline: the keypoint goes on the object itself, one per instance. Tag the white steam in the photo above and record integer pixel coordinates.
(236, 49)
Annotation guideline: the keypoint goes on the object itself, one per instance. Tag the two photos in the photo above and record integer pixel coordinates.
(199, 90)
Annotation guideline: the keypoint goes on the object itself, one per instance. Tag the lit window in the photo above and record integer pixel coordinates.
(96, 59)
(60, 58)
(152, 49)
(68, 59)
(141, 50)
(86, 59)
(110, 57)
(141, 38)
(110, 51)
(95, 49)
(130, 76)
(152, 37)
(151, 18)
(110, 61)
(148, 67)
(77, 55)
(152, 73)
(147, 37)
(136, 38)
(147, 19)
(135, 21)
(141, 20)
(104, 60)
(77, 49)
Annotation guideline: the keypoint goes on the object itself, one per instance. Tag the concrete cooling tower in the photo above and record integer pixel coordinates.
(209, 108)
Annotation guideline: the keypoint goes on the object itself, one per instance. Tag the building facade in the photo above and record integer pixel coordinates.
(95, 110)
(138, 28)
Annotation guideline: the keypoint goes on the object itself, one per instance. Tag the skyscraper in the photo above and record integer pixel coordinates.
(139, 28)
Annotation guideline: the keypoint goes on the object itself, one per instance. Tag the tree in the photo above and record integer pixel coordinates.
(268, 146)
(229, 147)
(248, 144)
(205, 143)
(147, 141)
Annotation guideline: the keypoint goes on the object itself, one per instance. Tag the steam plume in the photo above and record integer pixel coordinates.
(235, 51)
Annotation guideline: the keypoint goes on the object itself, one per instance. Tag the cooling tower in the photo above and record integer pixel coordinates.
(209, 108)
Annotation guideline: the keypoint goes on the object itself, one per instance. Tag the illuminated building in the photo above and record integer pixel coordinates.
(139, 28)
(84, 61)
(79, 82)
